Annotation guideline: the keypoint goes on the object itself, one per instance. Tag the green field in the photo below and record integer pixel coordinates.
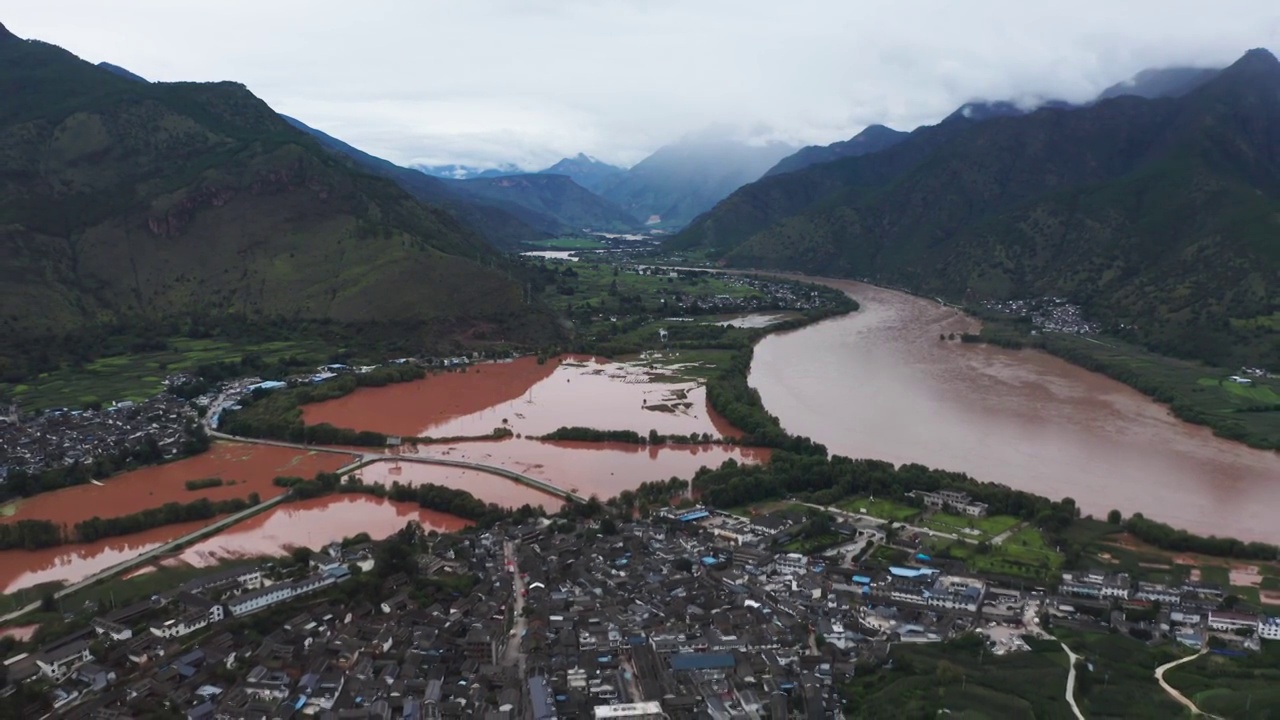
(1122, 683)
(140, 375)
(958, 680)
(568, 243)
(1247, 687)
(1258, 392)
(1023, 554)
(979, 528)
(883, 509)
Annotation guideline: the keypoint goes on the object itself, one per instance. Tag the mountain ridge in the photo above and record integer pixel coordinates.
(125, 202)
(1133, 207)
(587, 171)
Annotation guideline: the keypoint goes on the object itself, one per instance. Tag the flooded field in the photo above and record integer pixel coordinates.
(246, 469)
(485, 486)
(314, 523)
(21, 633)
(586, 468)
(70, 563)
(528, 398)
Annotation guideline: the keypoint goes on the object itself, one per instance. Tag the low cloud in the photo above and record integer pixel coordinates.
(528, 81)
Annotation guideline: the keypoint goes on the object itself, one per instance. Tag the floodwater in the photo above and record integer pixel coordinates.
(71, 563)
(314, 523)
(878, 383)
(248, 469)
(529, 399)
(585, 468)
(484, 486)
(21, 633)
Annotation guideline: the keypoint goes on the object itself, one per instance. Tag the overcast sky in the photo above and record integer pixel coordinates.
(529, 81)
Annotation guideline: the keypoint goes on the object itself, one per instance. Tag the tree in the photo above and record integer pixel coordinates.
(1115, 518)
(682, 564)
(301, 555)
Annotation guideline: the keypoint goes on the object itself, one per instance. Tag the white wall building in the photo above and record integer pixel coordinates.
(58, 664)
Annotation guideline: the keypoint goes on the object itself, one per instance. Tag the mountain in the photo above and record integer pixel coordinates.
(680, 181)
(872, 139)
(122, 72)
(132, 204)
(1160, 82)
(587, 171)
(555, 196)
(466, 172)
(1158, 215)
(504, 228)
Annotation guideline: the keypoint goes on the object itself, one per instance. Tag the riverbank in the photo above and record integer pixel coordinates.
(1194, 392)
(880, 384)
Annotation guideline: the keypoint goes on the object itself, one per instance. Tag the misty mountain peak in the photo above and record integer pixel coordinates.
(1256, 70)
(1256, 60)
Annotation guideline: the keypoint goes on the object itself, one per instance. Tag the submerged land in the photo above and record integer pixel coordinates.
(857, 586)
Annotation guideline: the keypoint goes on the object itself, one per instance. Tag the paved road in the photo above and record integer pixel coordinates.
(1173, 692)
(513, 654)
(361, 460)
(152, 554)
(367, 458)
(1032, 623)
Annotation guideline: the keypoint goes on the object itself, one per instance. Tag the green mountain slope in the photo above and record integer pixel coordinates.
(555, 196)
(124, 202)
(502, 228)
(1161, 216)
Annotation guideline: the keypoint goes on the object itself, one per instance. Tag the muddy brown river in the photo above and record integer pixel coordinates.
(878, 383)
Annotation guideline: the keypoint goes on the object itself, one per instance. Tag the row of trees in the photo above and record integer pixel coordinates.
(37, 534)
(1170, 538)
(97, 528)
(458, 503)
(630, 437)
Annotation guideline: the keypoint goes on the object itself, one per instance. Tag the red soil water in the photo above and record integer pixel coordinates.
(314, 523)
(71, 563)
(252, 467)
(586, 468)
(529, 399)
(485, 486)
(21, 633)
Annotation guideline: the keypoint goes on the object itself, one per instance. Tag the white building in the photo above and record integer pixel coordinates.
(1269, 628)
(956, 593)
(266, 597)
(791, 563)
(651, 710)
(1224, 621)
(1152, 592)
(57, 664)
(185, 625)
(954, 500)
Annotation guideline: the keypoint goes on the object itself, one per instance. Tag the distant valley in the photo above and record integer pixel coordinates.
(1154, 209)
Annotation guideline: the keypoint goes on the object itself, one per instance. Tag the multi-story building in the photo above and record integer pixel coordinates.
(955, 500)
(1096, 585)
(1269, 628)
(651, 710)
(1226, 621)
(58, 663)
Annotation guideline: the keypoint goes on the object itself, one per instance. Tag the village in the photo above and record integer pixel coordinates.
(1053, 314)
(693, 613)
(153, 430)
